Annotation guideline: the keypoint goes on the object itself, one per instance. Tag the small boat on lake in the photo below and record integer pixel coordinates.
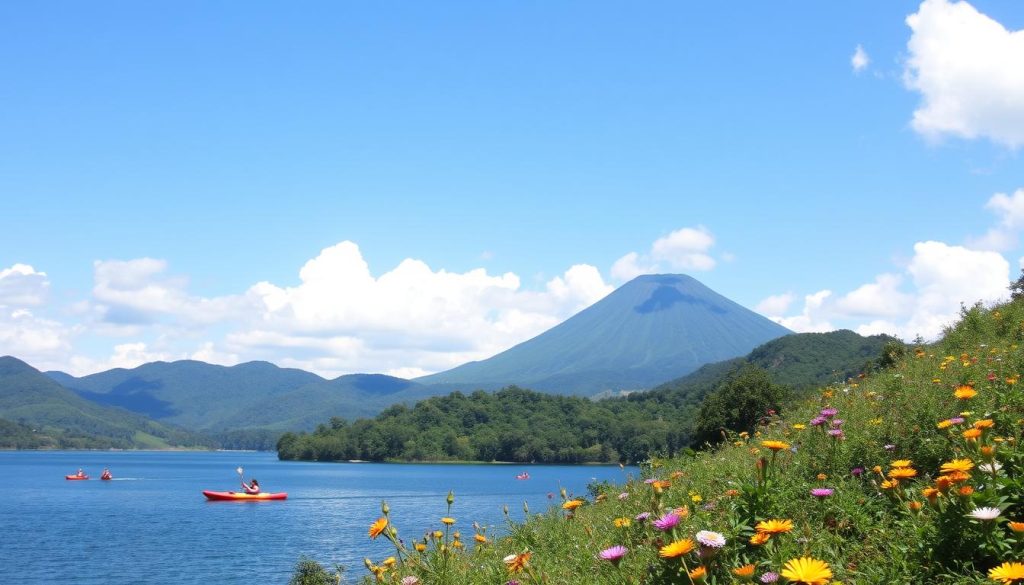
(75, 477)
(523, 475)
(243, 497)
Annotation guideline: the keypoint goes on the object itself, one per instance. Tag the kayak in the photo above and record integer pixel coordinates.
(106, 477)
(243, 497)
(74, 477)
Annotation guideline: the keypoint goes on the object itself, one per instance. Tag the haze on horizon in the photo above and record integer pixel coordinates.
(353, 188)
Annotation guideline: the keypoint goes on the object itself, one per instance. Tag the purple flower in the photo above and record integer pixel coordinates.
(818, 421)
(667, 522)
(836, 433)
(837, 422)
(956, 420)
(822, 492)
(642, 516)
(857, 471)
(710, 539)
(769, 577)
(829, 412)
(623, 495)
(511, 582)
(650, 480)
(614, 554)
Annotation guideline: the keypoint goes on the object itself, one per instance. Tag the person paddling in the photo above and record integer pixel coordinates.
(251, 488)
(106, 474)
(80, 473)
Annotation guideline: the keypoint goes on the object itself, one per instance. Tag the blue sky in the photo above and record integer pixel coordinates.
(160, 160)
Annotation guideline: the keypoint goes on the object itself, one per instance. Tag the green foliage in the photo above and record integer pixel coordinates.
(748, 396)
(310, 572)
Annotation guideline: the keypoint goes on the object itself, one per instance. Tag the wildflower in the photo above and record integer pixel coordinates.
(774, 526)
(480, 538)
(829, 412)
(447, 521)
(818, 421)
(614, 554)
(572, 504)
(988, 450)
(944, 424)
(930, 493)
(877, 469)
(821, 493)
(956, 420)
(972, 434)
(760, 538)
(965, 393)
(902, 473)
(990, 467)
(622, 522)
(516, 562)
(660, 484)
(769, 577)
(966, 490)
(807, 571)
(420, 547)
(667, 522)
(377, 528)
(438, 534)
(623, 496)
(775, 445)
(1017, 527)
(642, 516)
(984, 423)
(710, 539)
(676, 549)
(697, 575)
(835, 433)
(985, 513)
(914, 505)
(696, 498)
(1008, 573)
(890, 484)
(857, 471)
(901, 463)
(745, 573)
(411, 580)
(799, 426)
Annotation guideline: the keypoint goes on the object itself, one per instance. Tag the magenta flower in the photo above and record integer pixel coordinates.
(818, 421)
(642, 516)
(956, 420)
(837, 422)
(835, 433)
(667, 522)
(857, 471)
(829, 412)
(822, 492)
(614, 554)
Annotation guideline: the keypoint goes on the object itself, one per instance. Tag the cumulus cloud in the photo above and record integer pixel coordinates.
(43, 343)
(775, 304)
(860, 60)
(22, 286)
(1004, 235)
(685, 249)
(969, 70)
(921, 301)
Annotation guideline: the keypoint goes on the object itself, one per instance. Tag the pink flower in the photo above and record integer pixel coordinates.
(614, 554)
(667, 522)
(822, 492)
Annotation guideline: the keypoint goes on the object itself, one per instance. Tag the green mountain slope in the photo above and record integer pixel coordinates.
(57, 417)
(653, 328)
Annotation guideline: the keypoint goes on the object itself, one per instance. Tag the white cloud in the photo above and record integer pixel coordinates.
(684, 249)
(969, 70)
(775, 304)
(22, 286)
(1004, 235)
(941, 277)
(860, 60)
(125, 355)
(41, 342)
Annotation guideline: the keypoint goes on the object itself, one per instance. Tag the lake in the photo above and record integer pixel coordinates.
(151, 524)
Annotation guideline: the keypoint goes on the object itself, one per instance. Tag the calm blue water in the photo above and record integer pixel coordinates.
(152, 524)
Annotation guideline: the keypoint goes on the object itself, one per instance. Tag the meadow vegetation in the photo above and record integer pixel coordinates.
(911, 474)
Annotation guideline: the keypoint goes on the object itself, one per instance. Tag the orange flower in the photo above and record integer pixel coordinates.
(760, 538)
(961, 465)
(902, 473)
(890, 484)
(986, 423)
(957, 476)
(744, 572)
(775, 445)
(930, 493)
(901, 463)
(965, 392)
(966, 490)
(972, 434)
(515, 563)
(914, 505)
(1017, 527)
(377, 528)
(572, 504)
(676, 549)
(697, 575)
(774, 526)
(480, 538)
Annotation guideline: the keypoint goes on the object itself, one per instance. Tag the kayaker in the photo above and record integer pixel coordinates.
(105, 474)
(80, 473)
(251, 488)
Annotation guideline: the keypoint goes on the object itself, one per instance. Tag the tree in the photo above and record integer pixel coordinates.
(738, 403)
(1017, 287)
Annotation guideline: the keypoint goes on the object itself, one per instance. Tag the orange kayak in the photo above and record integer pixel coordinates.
(74, 477)
(243, 497)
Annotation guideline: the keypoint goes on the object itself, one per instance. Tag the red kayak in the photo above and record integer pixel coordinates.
(243, 497)
(106, 477)
(75, 477)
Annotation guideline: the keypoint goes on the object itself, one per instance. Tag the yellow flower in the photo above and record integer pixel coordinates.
(902, 473)
(807, 571)
(822, 477)
(696, 498)
(889, 484)
(420, 547)
(799, 427)
(1007, 573)
(774, 526)
(901, 463)
(914, 505)
(480, 538)
(971, 434)
(438, 534)
(984, 423)
(965, 393)
(962, 465)
(945, 424)
(377, 528)
(389, 561)
(676, 549)
(697, 575)
(572, 504)
(775, 445)
(930, 493)
(760, 538)
(447, 521)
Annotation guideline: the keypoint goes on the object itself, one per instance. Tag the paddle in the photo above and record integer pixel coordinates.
(240, 476)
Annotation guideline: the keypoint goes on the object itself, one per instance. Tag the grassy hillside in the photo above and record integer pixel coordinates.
(56, 417)
(912, 475)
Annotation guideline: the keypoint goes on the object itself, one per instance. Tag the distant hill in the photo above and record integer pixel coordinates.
(514, 424)
(653, 328)
(38, 412)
